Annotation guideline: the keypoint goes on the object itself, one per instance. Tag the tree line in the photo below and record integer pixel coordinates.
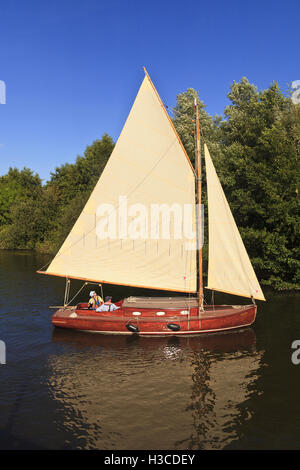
(255, 147)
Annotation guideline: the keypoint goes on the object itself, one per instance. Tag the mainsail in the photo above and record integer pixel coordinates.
(148, 169)
(229, 267)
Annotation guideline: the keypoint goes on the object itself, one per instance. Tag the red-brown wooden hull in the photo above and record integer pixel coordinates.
(125, 320)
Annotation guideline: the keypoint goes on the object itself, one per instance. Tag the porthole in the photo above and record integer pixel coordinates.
(184, 312)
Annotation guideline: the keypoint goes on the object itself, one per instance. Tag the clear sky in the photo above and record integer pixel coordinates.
(72, 68)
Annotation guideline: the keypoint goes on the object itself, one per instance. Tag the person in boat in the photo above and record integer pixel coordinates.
(95, 301)
(108, 306)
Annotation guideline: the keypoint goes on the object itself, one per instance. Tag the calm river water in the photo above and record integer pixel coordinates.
(71, 390)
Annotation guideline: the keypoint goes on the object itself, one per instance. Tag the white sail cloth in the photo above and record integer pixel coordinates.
(229, 267)
(148, 166)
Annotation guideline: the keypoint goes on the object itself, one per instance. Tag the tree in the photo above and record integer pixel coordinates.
(260, 174)
(15, 186)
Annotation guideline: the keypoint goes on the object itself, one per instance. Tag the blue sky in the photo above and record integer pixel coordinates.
(72, 68)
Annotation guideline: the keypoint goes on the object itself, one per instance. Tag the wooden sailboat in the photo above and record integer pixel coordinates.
(149, 168)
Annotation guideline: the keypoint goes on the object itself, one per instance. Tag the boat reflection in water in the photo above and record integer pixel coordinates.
(117, 392)
(223, 342)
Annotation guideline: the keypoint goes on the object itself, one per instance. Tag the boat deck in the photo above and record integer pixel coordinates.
(151, 313)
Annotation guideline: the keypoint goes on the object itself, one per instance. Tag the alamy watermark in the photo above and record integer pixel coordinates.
(2, 92)
(296, 94)
(138, 221)
(2, 352)
(296, 354)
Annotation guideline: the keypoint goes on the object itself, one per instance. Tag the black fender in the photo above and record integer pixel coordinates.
(173, 326)
(132, 328)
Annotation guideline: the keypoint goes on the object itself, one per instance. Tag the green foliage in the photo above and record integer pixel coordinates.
(260, 175)
(15, 187)
(67, 217)
(256, 151)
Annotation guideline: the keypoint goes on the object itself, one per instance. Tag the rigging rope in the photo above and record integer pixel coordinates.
(68, 282)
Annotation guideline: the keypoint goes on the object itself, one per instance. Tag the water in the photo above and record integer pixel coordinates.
(70, 390)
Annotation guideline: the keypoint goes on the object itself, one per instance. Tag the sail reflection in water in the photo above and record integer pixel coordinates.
(116, 392)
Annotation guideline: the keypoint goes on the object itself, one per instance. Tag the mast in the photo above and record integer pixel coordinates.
(199, 221)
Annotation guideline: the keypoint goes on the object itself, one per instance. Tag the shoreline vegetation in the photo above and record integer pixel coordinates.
(255, 147)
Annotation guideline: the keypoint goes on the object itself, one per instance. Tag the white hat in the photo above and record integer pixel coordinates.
(92, 293)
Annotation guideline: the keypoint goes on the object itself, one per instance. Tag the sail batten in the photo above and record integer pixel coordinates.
(229, 266)
(148, 167)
